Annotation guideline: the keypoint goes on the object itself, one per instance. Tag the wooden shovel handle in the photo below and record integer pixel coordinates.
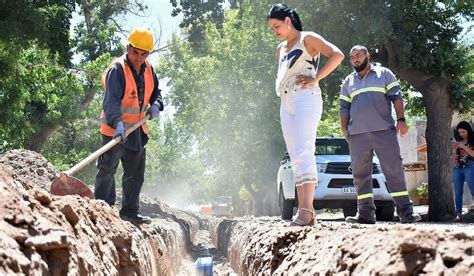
(105, 148)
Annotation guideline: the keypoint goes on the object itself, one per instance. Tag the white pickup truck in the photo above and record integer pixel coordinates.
(335, 182)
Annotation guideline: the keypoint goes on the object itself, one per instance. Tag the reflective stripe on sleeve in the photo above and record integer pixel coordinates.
(392, 85)
(345, 98)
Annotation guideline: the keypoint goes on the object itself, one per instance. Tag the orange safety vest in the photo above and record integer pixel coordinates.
(130, 107)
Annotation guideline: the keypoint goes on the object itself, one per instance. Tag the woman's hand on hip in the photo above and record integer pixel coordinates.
(305, 81)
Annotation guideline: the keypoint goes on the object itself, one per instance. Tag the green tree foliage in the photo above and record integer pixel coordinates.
(40, 90)
(225, 99)
(99, 28)
(47, 22)
(418, 40)
(196, 14)
(76, 139)
(36, 94)
(96, 42)
(34, 45)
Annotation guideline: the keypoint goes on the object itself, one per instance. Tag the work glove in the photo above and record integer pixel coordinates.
(120, 131)
(154, 111)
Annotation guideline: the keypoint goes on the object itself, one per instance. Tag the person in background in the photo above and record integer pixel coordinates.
(297, 84)
(463, 171)
(131, 91)
(366, 100)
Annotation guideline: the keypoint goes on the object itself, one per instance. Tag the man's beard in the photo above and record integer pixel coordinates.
(362, 66)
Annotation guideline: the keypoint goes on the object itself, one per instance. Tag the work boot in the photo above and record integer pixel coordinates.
(136, 218)
(358, 219)
(410, 219)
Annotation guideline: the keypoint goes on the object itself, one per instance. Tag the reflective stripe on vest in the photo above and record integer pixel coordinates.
(130, 107)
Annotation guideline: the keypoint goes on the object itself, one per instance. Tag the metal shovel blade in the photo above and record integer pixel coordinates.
(66, 184)
(69, 185)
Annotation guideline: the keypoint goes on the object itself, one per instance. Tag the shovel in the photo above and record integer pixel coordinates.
(66, 184)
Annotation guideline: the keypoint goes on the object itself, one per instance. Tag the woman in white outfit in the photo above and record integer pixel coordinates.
(297, 84)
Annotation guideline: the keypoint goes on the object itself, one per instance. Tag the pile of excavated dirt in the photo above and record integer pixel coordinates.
(267, 246)
(45, 234)
(32, 166)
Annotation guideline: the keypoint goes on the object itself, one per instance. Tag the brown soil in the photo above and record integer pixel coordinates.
(45, 234)
(267, 246)
(30, 166)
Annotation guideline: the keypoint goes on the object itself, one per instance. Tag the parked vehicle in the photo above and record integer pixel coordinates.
(335, 188)
(222, 207)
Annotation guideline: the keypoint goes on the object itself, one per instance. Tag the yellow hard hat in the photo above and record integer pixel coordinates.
(142, 39)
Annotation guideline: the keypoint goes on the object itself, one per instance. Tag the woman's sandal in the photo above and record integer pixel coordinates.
(299, 222)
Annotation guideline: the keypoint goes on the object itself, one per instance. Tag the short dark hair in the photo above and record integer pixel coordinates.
(282, 11)
(359, 48)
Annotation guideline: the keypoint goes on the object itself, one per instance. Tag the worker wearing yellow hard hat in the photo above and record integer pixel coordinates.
(142, 39)
(131, 92)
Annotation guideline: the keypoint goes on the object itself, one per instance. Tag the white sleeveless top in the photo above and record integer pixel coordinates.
(296, 62)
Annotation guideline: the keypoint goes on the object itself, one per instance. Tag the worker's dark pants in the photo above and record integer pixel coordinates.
(133, 163)
(385, 145)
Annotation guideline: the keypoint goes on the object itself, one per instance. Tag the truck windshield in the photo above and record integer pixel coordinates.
(332, 147)
(224, 200)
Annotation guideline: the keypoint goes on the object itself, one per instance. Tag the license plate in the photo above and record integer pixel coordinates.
(348, 190)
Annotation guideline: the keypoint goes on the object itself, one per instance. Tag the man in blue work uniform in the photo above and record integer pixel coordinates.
(366, 100)
(131, 88)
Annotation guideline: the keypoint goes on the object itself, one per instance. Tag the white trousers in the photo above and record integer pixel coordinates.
(300, 114)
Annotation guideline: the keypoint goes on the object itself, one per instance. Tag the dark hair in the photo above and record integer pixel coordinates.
(281, 11)
(466, 126)
(359, 48)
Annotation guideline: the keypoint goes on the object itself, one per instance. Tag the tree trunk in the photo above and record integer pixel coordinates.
(439, 111)
(257, 202)
(437, 99)
(37, 141)
(249, 188)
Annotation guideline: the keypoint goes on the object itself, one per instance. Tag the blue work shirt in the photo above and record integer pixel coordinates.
(114, 95)
(367, 102)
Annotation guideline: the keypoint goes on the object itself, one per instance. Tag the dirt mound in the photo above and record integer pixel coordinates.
(32, 166)
(268, 246)
(45, 234)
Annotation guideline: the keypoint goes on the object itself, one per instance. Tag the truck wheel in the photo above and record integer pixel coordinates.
(385, 212)
(286, 206)
(349, 211)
